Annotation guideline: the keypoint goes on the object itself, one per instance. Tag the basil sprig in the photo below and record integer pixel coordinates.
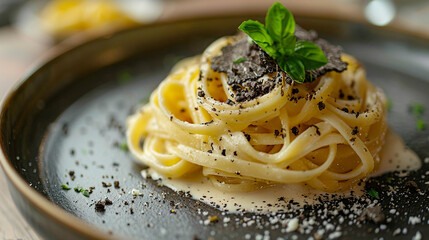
(278, 40)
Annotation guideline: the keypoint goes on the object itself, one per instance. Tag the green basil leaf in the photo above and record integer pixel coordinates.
(294, 67)
(256, 31)
(310, 55)
(287, 45)
(278, 40)
(279, 21)
(259, 34)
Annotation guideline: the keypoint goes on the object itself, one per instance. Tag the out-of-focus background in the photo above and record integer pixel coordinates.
(30, 28)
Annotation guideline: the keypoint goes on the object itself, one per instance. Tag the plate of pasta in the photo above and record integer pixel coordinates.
(281, 128)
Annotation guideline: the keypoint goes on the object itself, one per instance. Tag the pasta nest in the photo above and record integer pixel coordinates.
(327, 134)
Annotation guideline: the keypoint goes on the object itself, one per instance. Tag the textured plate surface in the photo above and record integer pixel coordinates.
(70, 127)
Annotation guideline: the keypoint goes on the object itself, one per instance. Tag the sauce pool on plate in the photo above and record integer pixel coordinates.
(395, 156)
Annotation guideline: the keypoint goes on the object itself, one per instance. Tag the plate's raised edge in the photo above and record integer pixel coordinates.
(53, 211)
(38, 201)
(35, 198)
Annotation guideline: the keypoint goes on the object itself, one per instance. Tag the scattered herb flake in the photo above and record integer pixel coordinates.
(389, 179)
(85, 193)
(421, 125)
(389, 104)
(373, 193)
(65, 187)
(239, 60)
(78, 189)
(124, 146)
(417, 109)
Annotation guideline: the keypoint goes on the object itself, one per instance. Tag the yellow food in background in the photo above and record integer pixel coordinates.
(64, 17)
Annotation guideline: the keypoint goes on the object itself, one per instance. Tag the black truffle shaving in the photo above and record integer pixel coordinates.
(243, 76)
(256, 63)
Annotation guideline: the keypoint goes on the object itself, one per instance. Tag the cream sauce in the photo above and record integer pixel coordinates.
(395, 157)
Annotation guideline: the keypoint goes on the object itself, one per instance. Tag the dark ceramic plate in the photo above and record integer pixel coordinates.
(64, 124)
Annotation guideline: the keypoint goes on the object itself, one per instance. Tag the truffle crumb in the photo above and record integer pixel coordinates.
(355, 131)
(295, 131)
(321, 105)
(100, 206)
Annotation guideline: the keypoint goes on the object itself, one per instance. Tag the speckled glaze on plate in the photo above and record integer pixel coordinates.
(64, 124)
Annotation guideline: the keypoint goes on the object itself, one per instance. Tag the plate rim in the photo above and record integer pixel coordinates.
(50, 209)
